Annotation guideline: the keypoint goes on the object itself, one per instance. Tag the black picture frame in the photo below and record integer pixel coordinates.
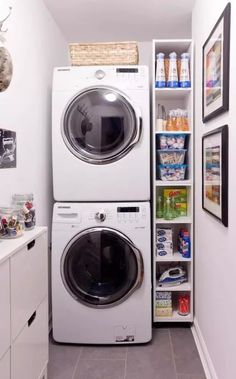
(215, 68)
(7, 149)
(215, 173)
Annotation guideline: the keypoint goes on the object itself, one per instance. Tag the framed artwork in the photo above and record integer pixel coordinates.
(215, 68)
(215, 173)
(7, 149)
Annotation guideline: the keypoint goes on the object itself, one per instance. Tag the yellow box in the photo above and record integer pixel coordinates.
(164, 312)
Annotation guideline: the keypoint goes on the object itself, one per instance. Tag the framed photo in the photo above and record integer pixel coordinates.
(215, 173)
(7, 149)
(215, 74)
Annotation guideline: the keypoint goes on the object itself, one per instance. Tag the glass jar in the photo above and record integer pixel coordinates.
(11, 222)
(25, 205)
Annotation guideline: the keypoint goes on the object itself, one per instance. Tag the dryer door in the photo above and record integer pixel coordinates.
(100, 125)
(101, 267)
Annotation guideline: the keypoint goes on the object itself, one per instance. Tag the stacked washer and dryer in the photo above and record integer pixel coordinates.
(101, 249)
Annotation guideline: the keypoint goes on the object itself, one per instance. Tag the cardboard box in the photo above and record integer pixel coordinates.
(180, 195)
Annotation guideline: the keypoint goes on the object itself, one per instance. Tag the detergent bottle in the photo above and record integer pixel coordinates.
(160, 71)
(173, 73)
(184, 80)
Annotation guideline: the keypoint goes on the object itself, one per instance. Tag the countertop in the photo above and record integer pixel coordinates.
(9, 247)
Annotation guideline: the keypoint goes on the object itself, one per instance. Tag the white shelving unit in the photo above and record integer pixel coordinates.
(173, 98)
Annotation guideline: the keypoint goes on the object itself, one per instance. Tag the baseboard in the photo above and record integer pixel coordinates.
(203, 352)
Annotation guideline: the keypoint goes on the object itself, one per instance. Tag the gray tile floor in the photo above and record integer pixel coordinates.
(172, 354)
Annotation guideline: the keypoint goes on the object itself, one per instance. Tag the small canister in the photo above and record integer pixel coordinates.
(184, 304)
(11, 225)
(25, 205)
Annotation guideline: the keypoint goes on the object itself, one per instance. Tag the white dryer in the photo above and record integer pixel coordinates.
(101, 133)
(101, 273)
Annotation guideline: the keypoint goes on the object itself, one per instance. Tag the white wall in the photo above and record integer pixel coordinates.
(215, 256)
(36, 46)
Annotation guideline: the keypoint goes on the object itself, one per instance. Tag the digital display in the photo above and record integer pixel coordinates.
(127, 70)
(127, 209)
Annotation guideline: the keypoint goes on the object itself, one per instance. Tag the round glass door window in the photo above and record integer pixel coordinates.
(100, 125)
(100, 267)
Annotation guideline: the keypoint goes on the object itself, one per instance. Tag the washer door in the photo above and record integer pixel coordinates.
(101, 267)
(100, 125)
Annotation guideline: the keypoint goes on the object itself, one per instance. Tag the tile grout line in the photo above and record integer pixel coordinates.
(172, 352)
(76, 364)
(126, 356)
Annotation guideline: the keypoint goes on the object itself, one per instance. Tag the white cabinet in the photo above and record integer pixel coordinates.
(5, 366)
(4, 307)
(28, 281)
(29, 351)
(172, 102)
(24, 306)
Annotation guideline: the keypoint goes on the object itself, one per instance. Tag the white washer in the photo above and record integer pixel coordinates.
(101, 133)
(101, 273)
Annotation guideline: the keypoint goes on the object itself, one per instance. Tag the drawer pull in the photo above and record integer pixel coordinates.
(30, 245)
(32, 318)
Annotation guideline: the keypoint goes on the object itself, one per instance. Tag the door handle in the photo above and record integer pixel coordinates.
(31, 319)
(31, 245)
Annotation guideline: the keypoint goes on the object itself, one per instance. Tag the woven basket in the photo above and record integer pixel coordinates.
(108, 53)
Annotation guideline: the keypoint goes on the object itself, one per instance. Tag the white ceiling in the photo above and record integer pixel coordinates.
(114, 20)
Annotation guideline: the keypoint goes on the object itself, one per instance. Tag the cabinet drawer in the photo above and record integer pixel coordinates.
(4, 308)
(29, 282)
(29, 354)
(5, 366)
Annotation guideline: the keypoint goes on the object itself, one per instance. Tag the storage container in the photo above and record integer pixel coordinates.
(172, 141)
(172, 172)
(167, 156)
(11, 222)
(25, 204)
(105, 53)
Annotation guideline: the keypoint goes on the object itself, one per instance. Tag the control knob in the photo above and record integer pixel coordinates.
(100, 216)
(99, 74)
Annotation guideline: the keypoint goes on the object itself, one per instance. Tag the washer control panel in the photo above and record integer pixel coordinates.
(131, 214)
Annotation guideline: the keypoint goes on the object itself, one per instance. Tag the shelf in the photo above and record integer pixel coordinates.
(176, 257)
(173, 98)
(173, 132)
(172, 93)
(175, 318)
(182, 287)
(177, 220)
(168, 183)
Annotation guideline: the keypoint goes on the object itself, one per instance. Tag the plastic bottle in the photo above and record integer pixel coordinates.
(160, 71)
(168, 214)
(173, 73)
(186, 248)
(184, 80)
(159, 207)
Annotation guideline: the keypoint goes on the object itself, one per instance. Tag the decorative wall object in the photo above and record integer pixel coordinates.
(215, 75)
(7, 149)
(215, 173)
(6, 69)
